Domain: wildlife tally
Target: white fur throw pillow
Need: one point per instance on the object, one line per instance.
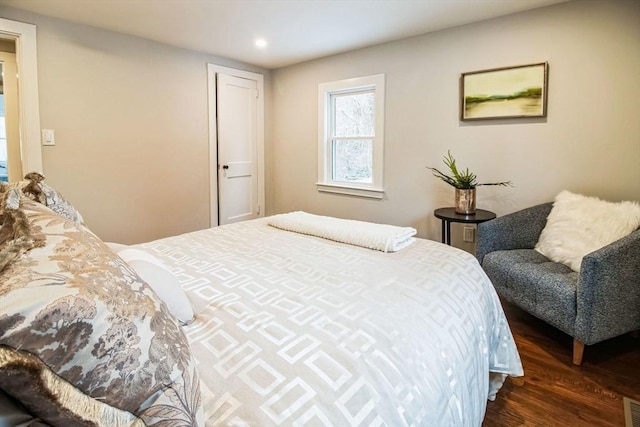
(579, 225)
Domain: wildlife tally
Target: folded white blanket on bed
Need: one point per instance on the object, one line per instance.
(381, 237)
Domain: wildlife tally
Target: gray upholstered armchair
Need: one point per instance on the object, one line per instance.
(599, 302)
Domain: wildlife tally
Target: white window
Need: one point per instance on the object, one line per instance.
(351, 136)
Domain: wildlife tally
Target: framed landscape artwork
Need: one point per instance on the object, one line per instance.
(508, 92)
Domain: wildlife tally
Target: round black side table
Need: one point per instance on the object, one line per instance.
(449, 215)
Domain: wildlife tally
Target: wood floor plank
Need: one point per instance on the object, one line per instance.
(554, 392)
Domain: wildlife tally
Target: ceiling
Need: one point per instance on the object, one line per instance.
(295, 30)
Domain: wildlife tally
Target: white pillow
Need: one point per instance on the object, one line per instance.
(579, 225)
(116, 247)
(162, 281)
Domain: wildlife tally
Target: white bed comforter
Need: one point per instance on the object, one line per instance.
(298, 330)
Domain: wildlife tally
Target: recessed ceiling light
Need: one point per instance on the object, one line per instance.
(261, 43)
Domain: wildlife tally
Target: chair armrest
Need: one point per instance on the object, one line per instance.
(517, 230)
(608, 294)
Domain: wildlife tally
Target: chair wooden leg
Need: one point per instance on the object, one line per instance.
(578, 351)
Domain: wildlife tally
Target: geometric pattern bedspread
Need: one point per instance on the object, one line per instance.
(299, 330)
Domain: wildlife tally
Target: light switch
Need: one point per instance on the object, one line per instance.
(468, 234)
(48, 137)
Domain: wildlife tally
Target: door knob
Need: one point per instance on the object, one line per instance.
(225, 167)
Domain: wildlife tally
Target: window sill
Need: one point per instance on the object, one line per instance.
(372, 193)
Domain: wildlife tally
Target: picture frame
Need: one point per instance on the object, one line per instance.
(504, 93)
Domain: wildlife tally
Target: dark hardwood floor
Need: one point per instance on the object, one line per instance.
(553, 391)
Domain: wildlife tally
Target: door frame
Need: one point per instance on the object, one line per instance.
(24, 36)
(212, 71)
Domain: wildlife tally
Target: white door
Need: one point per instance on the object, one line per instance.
(237, 149)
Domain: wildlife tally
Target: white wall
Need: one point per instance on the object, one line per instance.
(589, 142)
(130, 120)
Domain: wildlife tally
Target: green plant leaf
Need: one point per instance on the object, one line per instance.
(460, 179)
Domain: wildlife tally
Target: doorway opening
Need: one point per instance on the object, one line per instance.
(10, 158)
(4, 171)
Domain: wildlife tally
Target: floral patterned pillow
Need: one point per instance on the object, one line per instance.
(33, 187)
(82, 311)
(15, 232)
(45, 397)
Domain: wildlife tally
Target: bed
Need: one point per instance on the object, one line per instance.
(290, 329)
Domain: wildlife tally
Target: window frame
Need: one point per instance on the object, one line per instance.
(376, 84)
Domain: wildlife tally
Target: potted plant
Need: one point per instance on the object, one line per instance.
(465, 183)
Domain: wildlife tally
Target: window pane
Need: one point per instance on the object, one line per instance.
(353, 114)
(353, 160)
